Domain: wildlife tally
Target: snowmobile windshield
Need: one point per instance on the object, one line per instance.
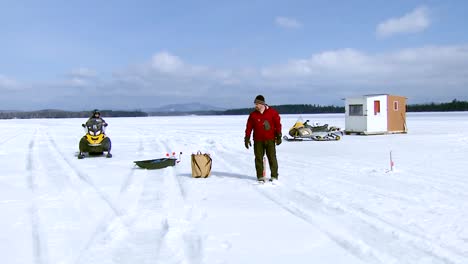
(299, 123)
(299, 119)
(94, 127)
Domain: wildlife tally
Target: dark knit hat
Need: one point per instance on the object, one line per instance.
(259, 99)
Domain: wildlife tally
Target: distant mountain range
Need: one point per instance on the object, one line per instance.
(185, 108)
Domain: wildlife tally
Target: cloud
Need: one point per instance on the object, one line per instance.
(81, 77)
(418, 72)
(166, 62)
(286, 22)
(8, 84)
(168, 75)
(328, 76)
(83, 73)
(431, 73)
(413, 22)
(354, 64)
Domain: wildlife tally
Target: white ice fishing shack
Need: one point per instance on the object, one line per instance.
(375, 114)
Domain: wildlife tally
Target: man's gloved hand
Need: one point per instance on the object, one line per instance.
(105, 124)
(278, 139)
(247, 142)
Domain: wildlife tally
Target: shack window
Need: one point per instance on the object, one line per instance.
(356, 110)
(376, 107)
(395, 105)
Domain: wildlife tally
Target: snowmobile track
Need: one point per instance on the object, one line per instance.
(101, 230)
(160, 190)
(85, 178)
(39, 245)
(11, 138)
(348, 206)
(180, 185)
(129, 178)
(364, 213)
(316, 210)
(380, 241)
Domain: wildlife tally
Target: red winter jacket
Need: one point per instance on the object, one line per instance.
(265, 126)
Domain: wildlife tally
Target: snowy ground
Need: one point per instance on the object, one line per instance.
(336, 203)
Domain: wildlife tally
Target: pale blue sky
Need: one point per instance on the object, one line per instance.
(141, 54)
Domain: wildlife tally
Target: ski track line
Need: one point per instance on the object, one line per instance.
(365, 187)
(166, 251)
(347, 244)
(60, 182)
(375, 189)
(85, 178)
(151, 202)
(354, 247)
(11, 138)
(455, 188)
(420, 179)
(360, 249)
(180, 186)
(359, 210)
(129, 178)
(391, 242)
(103, 234)
(396, 228)
(166, 186)
(413, 176)
(105, 221)
(58, 156)
(369, 213)
(39, 245)
(191, 239)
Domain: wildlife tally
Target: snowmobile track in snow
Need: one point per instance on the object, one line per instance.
(9, 138)
(85, 178)
(160, 189)
(396, 228)
(129, 178)
(179, 183)
(101, 230)
(346, 205)
(380, 241)
(39, 245)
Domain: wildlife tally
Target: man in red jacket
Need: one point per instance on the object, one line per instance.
(265, 123)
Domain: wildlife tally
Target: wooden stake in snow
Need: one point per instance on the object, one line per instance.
(391, 161)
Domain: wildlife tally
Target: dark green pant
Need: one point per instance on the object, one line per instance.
(268, 147)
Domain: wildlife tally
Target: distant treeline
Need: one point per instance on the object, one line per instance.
(455, 105)
(292, 109)
(67, 114)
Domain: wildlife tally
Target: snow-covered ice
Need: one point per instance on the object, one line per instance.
(336, 201)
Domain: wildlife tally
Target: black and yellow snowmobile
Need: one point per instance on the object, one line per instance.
(95, 142)
(302, 130)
